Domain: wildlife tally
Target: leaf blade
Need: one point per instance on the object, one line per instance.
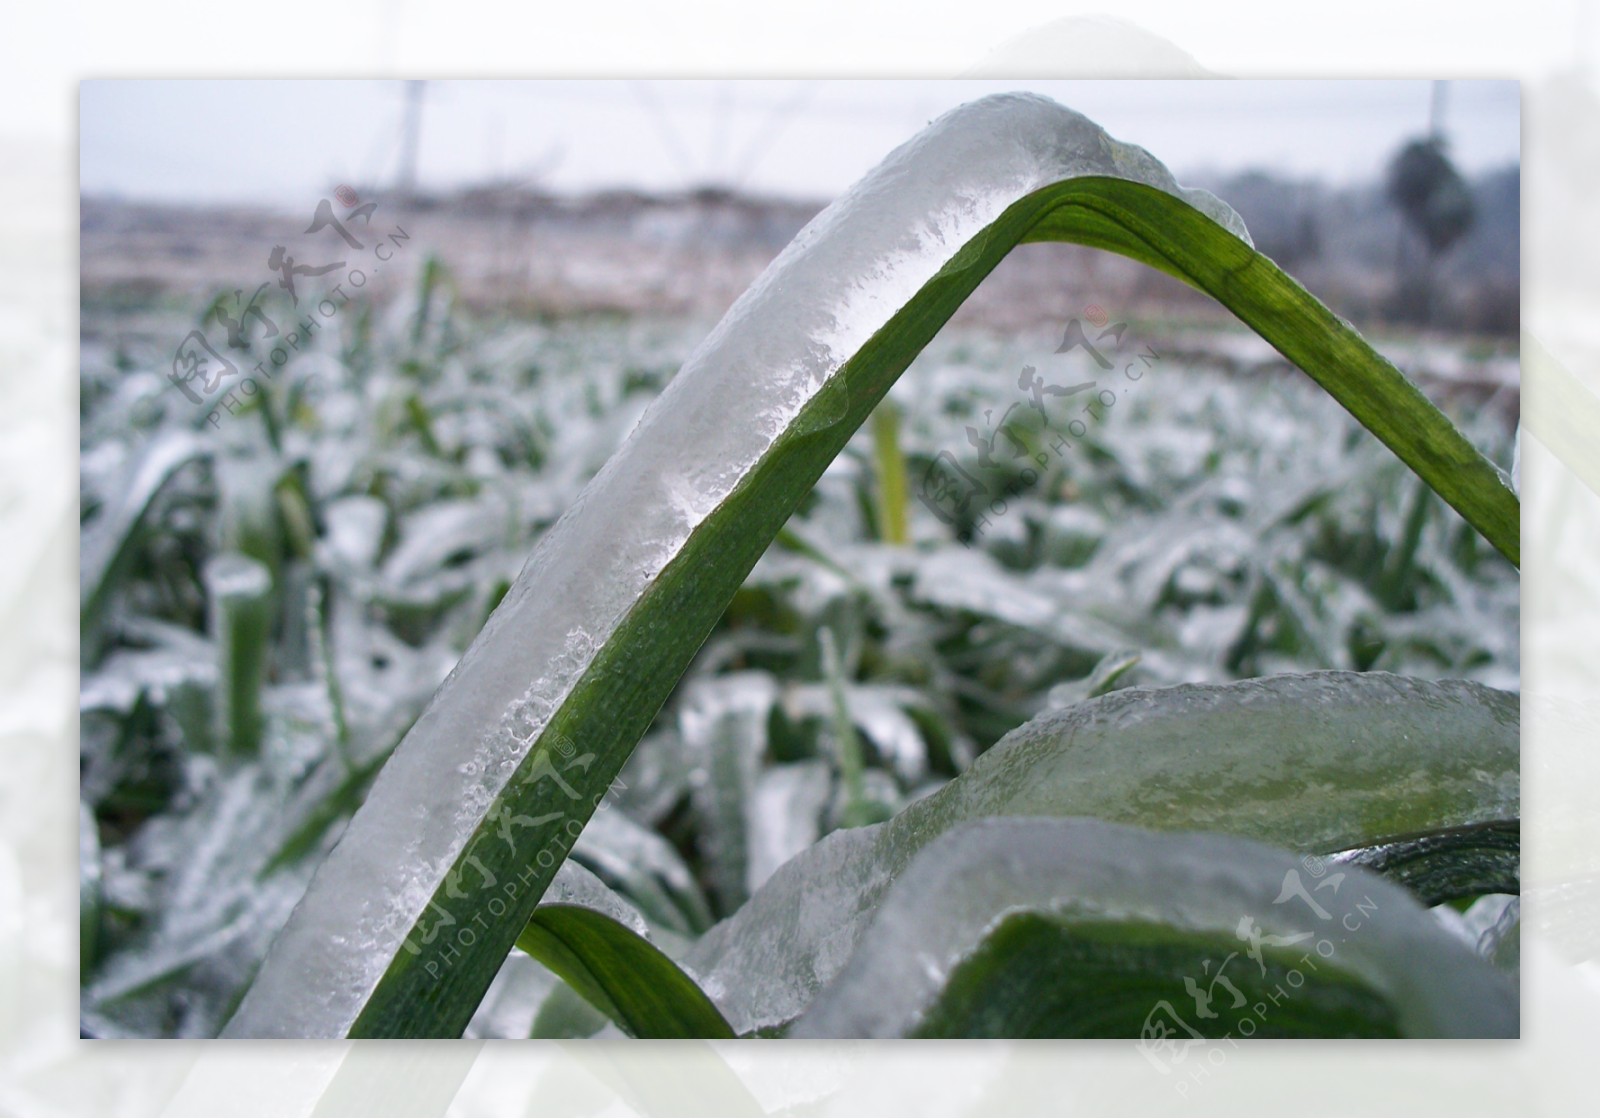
(621, 974)
(1161, 231)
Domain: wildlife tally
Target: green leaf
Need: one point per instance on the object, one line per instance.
(1320, 763)
(1449, 863)
(857, 809)
(889, 469)
(240, 589)
(1107, 671)
(1079, 928)
(567, 674)
(1161, 231)
(621, 974)
(599, 961)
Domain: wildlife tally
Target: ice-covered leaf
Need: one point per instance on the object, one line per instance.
(1319, 763)
(879, 711)
(1500, 941)
(1080, 928)
(353, 538)
(1324, 761)
(565, 676)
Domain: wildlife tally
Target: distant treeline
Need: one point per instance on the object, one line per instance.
(693, 252)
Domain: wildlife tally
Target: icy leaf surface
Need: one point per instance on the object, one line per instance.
(1092, 877)
(1316, 763)
(576, 885)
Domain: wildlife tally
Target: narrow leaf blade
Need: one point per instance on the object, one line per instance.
(621, 974)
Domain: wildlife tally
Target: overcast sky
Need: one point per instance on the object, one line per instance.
(279, 142)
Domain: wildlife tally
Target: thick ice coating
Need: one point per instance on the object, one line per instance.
(1321, 762)
(1094, 872)
(776, 350)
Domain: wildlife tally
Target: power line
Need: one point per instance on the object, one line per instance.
(772, 129)
(665, 132)
(410, 135)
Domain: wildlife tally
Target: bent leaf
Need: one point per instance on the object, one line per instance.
(621, 974)
(1079, 928)
(568, 672)
(600, 943)
(1450, 863)
(1160, 231)
(1320, 763)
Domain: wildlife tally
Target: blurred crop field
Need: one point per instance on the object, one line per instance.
(273, 590)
